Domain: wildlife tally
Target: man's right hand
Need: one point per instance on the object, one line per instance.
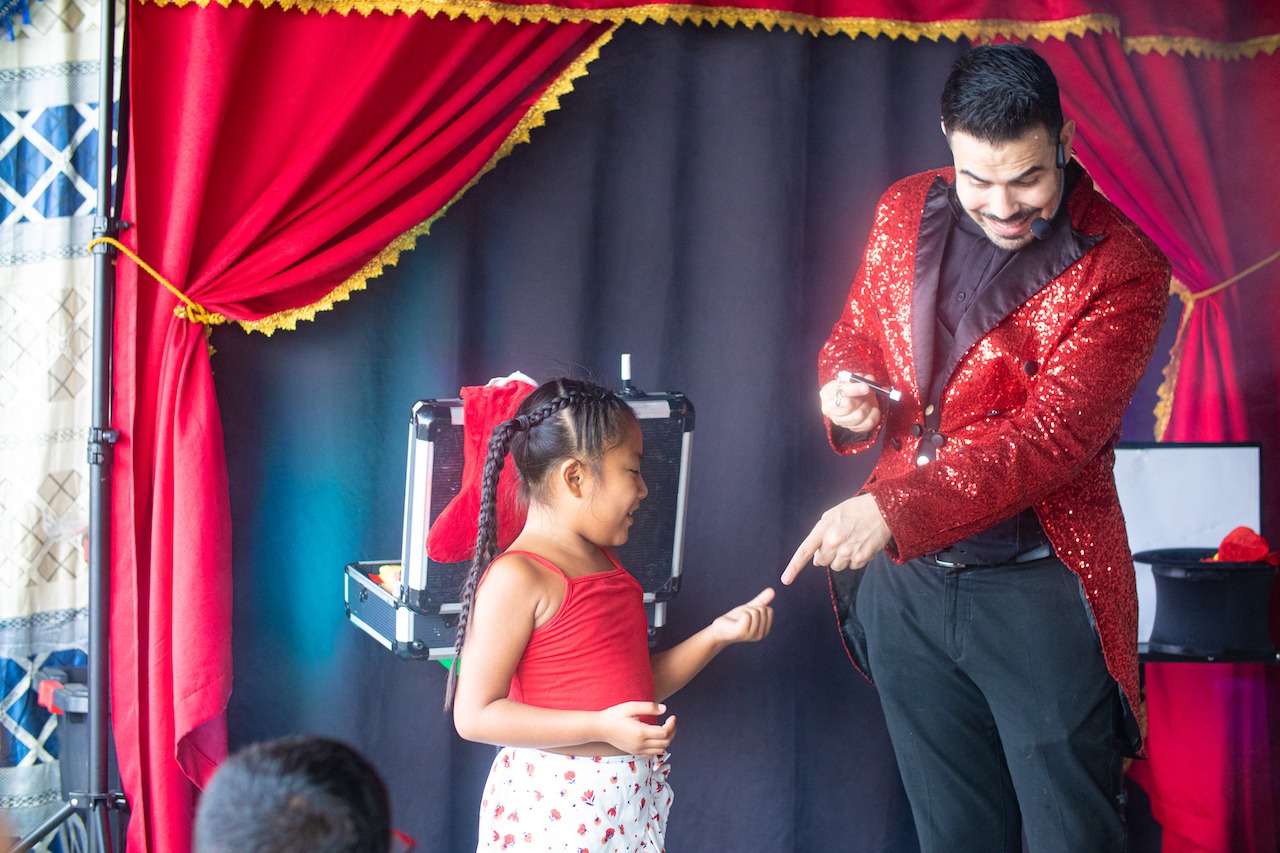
(846, 537)
(851, 405)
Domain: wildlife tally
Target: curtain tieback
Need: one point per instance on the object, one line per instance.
(1190, 297)
(1168, 387)
(189, 309)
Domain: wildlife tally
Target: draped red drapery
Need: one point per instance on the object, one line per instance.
(273, 156)
(1165, 136)
(1170, 139)
(277, 155)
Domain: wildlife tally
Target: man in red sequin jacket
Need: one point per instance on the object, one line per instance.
(1013, 310)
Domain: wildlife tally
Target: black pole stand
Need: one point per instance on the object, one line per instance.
(99, 799)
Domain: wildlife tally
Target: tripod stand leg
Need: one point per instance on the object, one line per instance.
(37, 835)
(100, 820)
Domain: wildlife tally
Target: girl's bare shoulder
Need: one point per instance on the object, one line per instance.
(518, 568)
(520, 582)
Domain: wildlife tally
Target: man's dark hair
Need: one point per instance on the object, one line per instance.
(997, 92)
(297, 794)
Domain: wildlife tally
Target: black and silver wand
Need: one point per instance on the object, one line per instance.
(845, 376)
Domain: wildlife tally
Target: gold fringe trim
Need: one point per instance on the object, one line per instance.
(1164, 394)
(973, 29)
(188, 310)
(390, 256)
(1202, 48)
(1169, 386)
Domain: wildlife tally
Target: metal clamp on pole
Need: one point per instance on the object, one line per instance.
(103, 226)
(110, 800)
(106, 226)
(100, 443)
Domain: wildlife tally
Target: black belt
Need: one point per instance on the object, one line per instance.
(951, 559)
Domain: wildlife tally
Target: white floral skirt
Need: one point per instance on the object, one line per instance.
(542, 801)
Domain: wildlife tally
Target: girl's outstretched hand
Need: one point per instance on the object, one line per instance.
(622, 727)
(746, 623)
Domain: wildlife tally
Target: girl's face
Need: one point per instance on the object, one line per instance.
(616, 492)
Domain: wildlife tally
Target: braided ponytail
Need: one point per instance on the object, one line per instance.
(487, 526)
(596, 421)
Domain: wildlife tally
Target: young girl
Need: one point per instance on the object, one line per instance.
(552, 655)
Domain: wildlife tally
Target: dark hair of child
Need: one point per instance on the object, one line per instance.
(295, 794)
(560, 419)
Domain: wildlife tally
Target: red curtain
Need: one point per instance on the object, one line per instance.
(1179, 144)
(276, 154)
(273, 155)
(1162, 136)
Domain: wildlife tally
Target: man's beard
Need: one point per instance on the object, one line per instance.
(1008, 243)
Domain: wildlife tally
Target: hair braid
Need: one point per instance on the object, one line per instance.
(487, 525)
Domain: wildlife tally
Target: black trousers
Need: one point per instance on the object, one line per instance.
(1001, 711)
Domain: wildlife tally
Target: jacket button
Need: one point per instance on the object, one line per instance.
(917, 430)
(895, 444)
(1031, 368)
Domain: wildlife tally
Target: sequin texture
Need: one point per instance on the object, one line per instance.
(1015, 436)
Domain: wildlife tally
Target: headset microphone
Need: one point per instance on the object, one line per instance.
(1040, 227)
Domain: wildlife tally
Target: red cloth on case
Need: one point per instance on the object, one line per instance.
(452, 537)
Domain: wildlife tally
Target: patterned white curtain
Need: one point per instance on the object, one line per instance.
(49, 79)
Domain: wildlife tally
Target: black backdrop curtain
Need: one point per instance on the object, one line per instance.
(700, 201)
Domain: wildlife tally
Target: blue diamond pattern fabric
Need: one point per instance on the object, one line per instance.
(48, 185)
(48, 163)
(60, 198)
(85, 159)
(58, 125)
(26, 726)
(24, 166)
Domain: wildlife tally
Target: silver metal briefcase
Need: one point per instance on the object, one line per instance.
(416, 620)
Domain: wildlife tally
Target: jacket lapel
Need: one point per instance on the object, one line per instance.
(1027, 272)
(932, 241)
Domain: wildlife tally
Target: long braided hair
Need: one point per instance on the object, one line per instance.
(592, 420)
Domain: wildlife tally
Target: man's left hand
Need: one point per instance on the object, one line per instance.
(846, 537)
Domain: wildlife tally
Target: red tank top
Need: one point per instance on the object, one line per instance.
(594, 653)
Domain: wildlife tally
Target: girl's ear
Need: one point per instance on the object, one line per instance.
(572, 476)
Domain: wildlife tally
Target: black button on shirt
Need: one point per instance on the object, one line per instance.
(969, 262)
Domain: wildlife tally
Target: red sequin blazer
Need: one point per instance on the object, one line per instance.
(1030, 413)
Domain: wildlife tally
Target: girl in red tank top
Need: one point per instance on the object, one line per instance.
(551, 659)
